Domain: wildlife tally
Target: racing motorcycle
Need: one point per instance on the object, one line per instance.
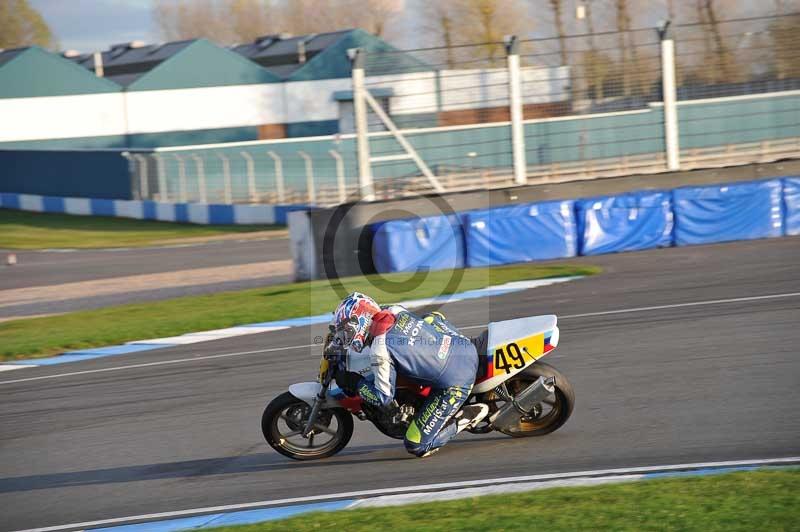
(526, 397)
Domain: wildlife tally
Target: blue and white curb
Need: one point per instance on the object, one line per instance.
(261, 511)
(255, 328)
(246, 517)
(195, 213)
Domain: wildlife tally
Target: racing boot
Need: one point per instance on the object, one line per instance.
(466, 418)
(470, 415)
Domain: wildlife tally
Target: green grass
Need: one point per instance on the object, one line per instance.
(760, 500)
(113, 325)
(33, 230)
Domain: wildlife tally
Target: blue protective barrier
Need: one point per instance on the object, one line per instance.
(520, 233)
(629, 222)
(430, 243)
(791, 202)
(721, 213)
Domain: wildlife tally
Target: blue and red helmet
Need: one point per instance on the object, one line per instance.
(352, 319)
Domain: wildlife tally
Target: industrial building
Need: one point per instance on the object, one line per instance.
(196, 92)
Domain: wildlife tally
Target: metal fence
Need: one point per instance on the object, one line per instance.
(521, 111)
(311, 172)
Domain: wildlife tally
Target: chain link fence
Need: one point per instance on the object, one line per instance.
(499, 114)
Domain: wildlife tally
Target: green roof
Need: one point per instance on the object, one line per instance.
(203, 64)
(32, 72)
(334, 62)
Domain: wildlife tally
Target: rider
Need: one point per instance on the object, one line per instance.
(428, 351)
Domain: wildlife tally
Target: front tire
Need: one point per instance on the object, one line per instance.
(286, 415)
(560, 406)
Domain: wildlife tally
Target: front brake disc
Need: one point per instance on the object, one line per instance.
(296, 416)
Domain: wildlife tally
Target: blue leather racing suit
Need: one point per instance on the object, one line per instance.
(426, 350)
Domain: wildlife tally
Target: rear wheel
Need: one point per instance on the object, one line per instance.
(548, 415)
(285, 418)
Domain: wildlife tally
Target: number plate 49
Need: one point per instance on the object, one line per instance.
(514, 356)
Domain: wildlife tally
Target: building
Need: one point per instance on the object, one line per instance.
(196, 92)
(46, 98)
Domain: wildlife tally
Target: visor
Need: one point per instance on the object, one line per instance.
(346, 332)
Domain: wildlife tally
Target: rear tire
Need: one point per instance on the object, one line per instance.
(562, 407)
(279, 441)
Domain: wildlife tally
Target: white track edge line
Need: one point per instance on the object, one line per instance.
(158, 363)
(12, 367)
(680, 305)
(423, 488)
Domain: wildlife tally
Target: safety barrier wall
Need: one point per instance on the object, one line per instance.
(560, 229)
(627, 222)
(437, 241)
(791, 202)
(742, 211)
(502, 235)
(323, 170)
(195, 213)
(82, 174)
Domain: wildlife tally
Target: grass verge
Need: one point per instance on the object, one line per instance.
(760, 500)
(78, 330)
(34, 230)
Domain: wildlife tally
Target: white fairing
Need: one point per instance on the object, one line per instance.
(307, 391)
(505, 332)
(555, 337)
(502, 332)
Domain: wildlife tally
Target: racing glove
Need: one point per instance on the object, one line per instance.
(348, 382)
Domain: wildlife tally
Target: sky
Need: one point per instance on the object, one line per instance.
(88, 25)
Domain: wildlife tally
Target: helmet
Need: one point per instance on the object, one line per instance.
(352, 319)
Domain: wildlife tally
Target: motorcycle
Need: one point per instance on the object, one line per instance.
(526, 397)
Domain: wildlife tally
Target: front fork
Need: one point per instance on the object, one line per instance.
(318, 400)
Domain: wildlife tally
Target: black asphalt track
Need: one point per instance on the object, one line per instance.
(178, 428)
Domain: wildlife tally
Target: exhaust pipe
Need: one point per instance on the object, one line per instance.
(524, 402)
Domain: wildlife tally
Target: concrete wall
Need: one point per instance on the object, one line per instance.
(88, 174)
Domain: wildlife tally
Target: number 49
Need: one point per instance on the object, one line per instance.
(511, 351)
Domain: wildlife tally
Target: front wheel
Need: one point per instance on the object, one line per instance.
(551, 413)
(285, 418)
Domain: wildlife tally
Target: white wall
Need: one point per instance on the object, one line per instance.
(57, 117)
(205, 108)
(311, 101)
(544, 85)
(469, 89)
(414, 92)
(95, 115)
